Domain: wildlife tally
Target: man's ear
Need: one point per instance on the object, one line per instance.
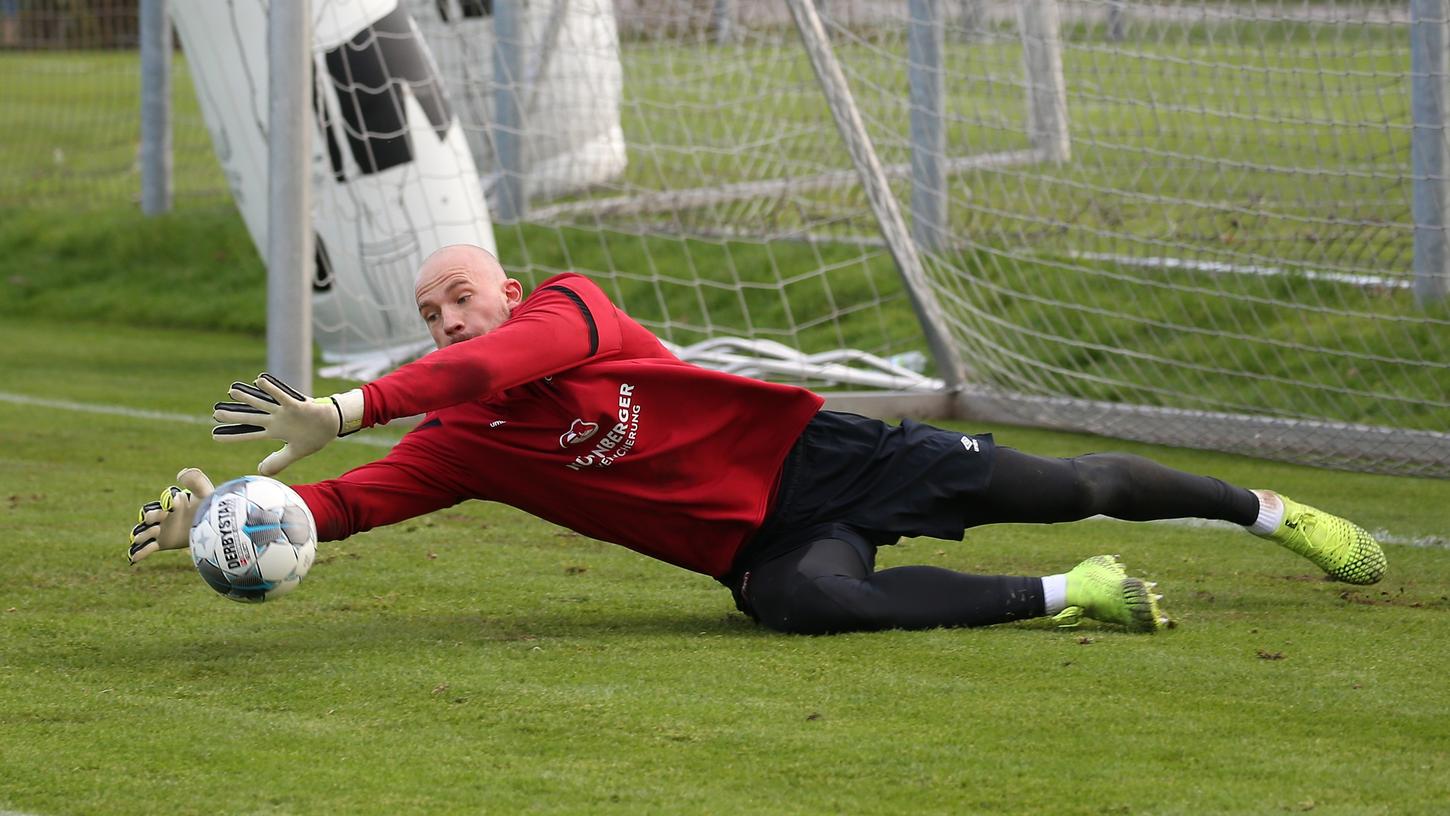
(513, 292)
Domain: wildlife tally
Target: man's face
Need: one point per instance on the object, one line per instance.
(463, 300)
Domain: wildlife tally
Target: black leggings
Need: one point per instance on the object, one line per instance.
(830, 584)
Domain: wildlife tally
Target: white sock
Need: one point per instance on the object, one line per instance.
(1271, 513)
(1054, 593)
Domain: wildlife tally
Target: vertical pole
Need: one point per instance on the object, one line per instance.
(878, 192)
(1046, 90)
(155, 107)
(1428, 149)
(1115, 24)
(289, 193)
(722, 21)
(534, 79)
(974, 19)
(508, 138)
(925, 43)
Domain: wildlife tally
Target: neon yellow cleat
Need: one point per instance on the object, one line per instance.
(1099, 588)
(1338, 546)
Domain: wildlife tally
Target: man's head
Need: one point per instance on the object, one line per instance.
(463, 292)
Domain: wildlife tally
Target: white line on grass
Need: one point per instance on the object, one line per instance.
(1384, 536)
(164, 416)
(142, 413)
(1218, 267)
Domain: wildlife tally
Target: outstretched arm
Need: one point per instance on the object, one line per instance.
(404, 484)
(565, 322)
(385, 492)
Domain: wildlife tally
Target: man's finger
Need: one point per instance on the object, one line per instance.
(264, 377)
(279, 391)
(170, 497)
(278, 461)
(150, 513)
(241, 408)
(141, 550)
(254, 398)
(197, 482)
(241, 389)
(233, 412)
(238, 433)
(148, 507)
(143, 535)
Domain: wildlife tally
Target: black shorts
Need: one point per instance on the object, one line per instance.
(870, 483)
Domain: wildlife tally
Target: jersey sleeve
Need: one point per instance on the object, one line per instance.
(568, 320)
(398, 487)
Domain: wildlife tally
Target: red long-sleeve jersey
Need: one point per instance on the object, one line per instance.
(573, 412)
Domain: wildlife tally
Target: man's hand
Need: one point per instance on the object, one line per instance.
(271, 409)
(166, 524)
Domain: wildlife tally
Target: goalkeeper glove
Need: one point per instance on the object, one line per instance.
(271, 409)
(166, 524)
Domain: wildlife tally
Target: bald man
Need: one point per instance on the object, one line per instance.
(463, 293)
(561, 405)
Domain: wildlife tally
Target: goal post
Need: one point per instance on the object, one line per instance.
(1131, 219)
(1211, 223)
(1428, 44)
(878, 192)
(290, 243)
(156, 150)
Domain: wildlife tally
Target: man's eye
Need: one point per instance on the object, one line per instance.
(464, 299)
(430, 318)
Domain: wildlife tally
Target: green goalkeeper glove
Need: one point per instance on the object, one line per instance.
(271, 409)
(166, 524)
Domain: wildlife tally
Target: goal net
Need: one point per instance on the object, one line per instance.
(1188, 222)
(1183, 222)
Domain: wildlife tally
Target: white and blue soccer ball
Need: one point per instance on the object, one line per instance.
(253, 539)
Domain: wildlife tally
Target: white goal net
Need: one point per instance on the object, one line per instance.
(1183, 222)
(1202, 223)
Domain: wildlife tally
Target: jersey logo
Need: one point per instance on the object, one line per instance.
(578, 431)
(496, 423)
(971, 444)
(617, 441)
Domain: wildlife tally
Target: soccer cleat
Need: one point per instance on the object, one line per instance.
(1099, 588)
(1338, 546)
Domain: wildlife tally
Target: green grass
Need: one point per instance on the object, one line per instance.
(70, 131)
(481, 661)
(1276, 145)
(1286, 142)
(1146, 336)
(1266, 143)
(478, 660)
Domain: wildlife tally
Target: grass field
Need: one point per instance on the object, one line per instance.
(481, 661)
(1284, 142)
(1283, 146)
(1132, 335)
(478, 660)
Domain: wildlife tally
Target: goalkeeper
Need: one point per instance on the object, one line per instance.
(561, 405)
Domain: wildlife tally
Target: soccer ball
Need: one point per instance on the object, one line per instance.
(253, 539)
